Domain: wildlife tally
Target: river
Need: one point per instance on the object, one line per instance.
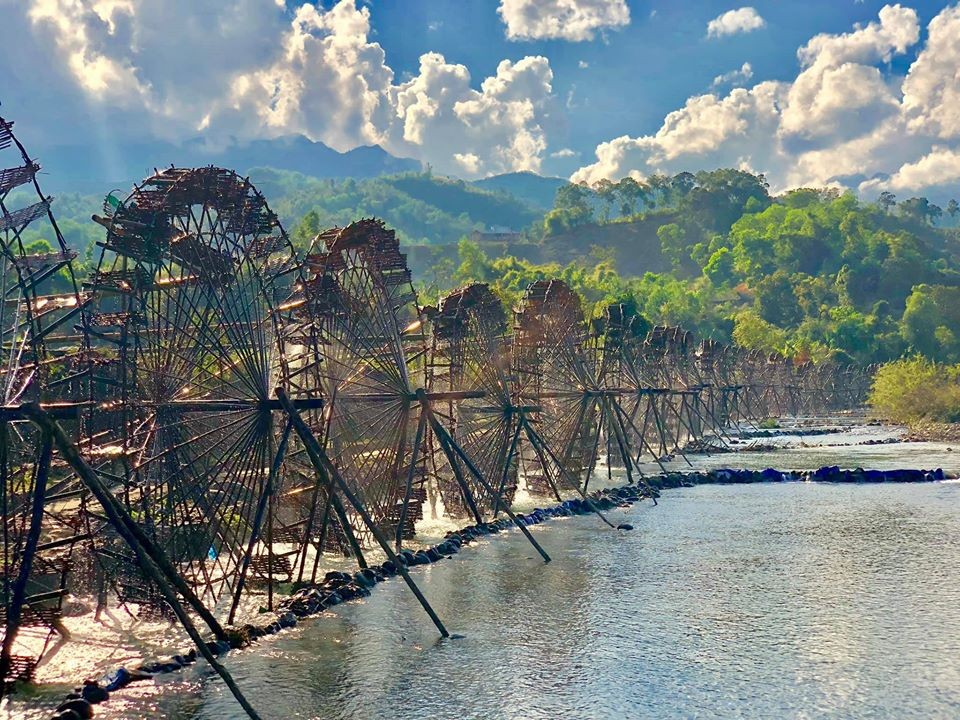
(787, 600)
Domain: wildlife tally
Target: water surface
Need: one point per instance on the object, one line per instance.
(756, 601)
(790, 600)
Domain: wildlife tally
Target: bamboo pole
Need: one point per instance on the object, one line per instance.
(27, 554)
(536, 440)
(124, 523)
(145, 552)
(445, 436)
(328, 473)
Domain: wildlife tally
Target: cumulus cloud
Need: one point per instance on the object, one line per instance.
(496, 129)
(573, 20)
(120, 52)
(741, 20)
(266, 72)
(735, 78)
(931, 90)
(843, 120)
(939, 168)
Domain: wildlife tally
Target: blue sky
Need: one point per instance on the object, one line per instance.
(817, 92)
(636, 74)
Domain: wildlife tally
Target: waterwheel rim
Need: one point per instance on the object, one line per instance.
(556, 374)
(370, 359)
(43, 356)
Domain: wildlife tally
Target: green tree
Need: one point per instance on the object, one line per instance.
(921, 318)
(474, 265)
(720, 267)
(752, 332)
(952, 209)
(919, 209)
(672, 244)
(887, 200)
(631, 195)
(776, 301)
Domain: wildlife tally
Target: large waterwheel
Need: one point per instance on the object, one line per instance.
(368, 360)
(42, 359)
(189, 302)
(635, 397)
(469, 377)
(557, 378)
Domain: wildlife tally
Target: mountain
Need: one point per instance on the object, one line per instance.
(529, 187)
(424, 208)
(99, 168)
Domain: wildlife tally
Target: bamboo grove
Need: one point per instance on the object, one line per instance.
(209, 413)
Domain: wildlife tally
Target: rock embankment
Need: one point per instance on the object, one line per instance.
(827, 474)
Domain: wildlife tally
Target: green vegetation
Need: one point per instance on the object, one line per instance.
(916, 389)
(424, 209)
(811, 273)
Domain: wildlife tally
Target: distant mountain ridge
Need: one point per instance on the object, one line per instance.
(533, 189)
(98, 169)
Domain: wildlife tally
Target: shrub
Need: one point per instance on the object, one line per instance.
(917, 389)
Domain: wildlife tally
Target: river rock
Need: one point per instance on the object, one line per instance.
(93, 693)
(82, 708)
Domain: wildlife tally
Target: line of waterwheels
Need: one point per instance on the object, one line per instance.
(209, 413)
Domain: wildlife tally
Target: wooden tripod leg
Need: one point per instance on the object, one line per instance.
(328, 473)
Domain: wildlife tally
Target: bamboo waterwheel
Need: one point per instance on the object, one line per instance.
(42, 359)
(370, 359)
(189, 301)
(557, 377)
(470, 376)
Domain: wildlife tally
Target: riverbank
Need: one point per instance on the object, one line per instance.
(933, 432)
(867, 446)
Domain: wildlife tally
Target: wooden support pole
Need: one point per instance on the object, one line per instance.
(511, 453)
(445, 436)
(408, 490)
(644, 443)
(27, 554)
(613, 422)
(258, 522)
(144, 553)
(118, 516)
(328, 473)
(535, 439)
(446, 444)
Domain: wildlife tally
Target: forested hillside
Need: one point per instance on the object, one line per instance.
(809, 273)
(423, 208)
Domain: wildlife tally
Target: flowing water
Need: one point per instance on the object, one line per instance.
(788, 600)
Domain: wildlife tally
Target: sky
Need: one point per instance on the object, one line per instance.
(853, 93)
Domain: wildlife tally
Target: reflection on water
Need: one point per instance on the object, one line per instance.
(726, 601)
(754, 601)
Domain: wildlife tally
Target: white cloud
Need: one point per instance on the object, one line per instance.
(839, 90)
(573, 20)
(939, 168)
(844, 119)
(242, 69)
(497, 129)
(741, 20)
(563, 153)
(120, 52)
(931, 91)
(735, 78)
(708, 131)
